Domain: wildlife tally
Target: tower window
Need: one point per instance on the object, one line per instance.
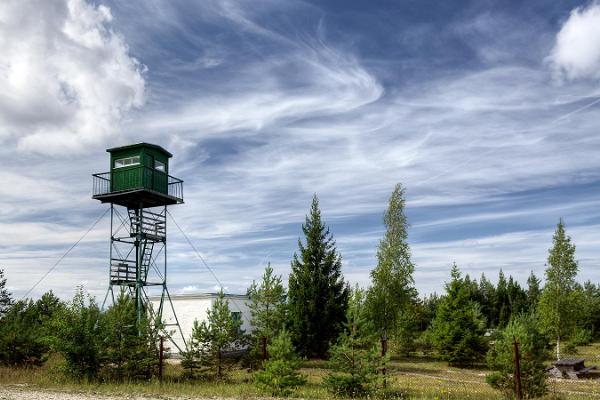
(127, 162)
(159, 166)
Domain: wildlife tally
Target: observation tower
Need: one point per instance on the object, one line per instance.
(139, 189)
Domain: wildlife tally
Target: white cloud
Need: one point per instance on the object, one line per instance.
(576, 53)
(66, 78)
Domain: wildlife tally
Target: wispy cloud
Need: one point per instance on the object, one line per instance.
(262, 110)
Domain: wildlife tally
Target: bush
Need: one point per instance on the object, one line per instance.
(280, 374)
(582, 337)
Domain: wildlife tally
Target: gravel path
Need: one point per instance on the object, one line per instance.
(26, 392)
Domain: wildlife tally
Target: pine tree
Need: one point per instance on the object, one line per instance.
(280, 374)
(354, 358)
(221, 332)
(267, 309)
(558, 302)
(458, 328)
(318, 295)
(76, 336)
(524, 329)
(392, 291)
(128, 345)
(5, 296)
(21, 340)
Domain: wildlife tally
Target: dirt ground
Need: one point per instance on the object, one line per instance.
(27, 392)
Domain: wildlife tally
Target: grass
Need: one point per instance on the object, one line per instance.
(408, 378)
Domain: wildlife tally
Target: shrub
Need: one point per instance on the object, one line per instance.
(582, 337)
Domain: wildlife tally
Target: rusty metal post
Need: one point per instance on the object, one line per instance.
(518, 389)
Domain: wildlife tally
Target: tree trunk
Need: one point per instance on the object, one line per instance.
(264, 348)
(558, 348)
(219, 364)
(383, 353)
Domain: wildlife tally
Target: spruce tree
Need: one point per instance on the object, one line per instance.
(517, 297)
(318, 295)
(502, 303)
(458, 327)
(558, 302)
(488, 300)
(533, 291)
(392, 291)
(267, 309)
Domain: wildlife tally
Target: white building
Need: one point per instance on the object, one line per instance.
(191, 307)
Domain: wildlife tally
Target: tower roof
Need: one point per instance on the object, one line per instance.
(142, 144)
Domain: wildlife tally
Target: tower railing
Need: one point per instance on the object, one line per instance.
(135, 178)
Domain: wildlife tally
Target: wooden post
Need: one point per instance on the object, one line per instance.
(160, 358)
(518, 390)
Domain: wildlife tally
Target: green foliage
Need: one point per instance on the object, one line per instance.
(212, 338)
(392, 291)
(318, 295)
(128, 348)
(406, 332)
(5, 296)
(487, 298)
(524, 329)
(76, 336)
(267, 310)
(590, 320)
(25, 330)
(560, 303)
(534, 291)
(20, 341)
(582, 337)
(354, 359)
(458, 328)
(280, 374)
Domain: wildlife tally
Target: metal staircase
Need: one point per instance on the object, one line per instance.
(147, 228)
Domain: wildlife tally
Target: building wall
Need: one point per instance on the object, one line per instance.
(195, 306)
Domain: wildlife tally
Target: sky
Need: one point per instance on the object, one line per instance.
(487, 112)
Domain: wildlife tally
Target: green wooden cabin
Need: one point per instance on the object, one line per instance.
(139, 174)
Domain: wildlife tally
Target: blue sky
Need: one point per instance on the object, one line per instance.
(487, 112)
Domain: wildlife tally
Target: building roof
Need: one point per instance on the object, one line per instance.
(194, 296)
(141, 144)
